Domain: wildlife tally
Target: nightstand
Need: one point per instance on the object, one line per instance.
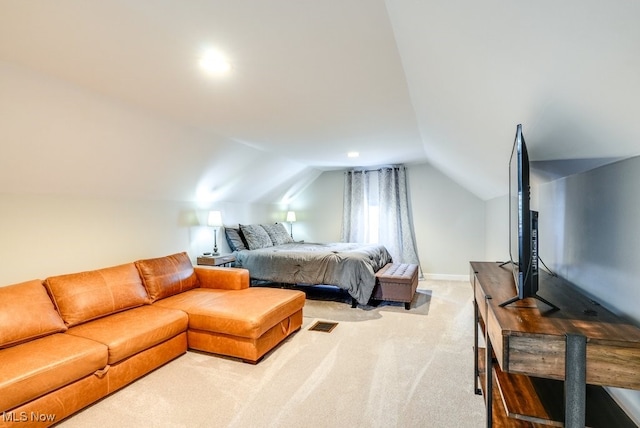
(221, 260)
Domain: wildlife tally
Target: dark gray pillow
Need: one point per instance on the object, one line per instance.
(278, 233)
(256, 236)
(234, 239)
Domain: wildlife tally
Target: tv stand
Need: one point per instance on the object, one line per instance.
(549, 368)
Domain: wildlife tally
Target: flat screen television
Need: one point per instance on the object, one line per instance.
(523, 225)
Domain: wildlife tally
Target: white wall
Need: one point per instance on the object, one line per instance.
(319, 209)
(88, 182)
(589, 226)
(497, 229)
(449, 221)
(59, 138)
(44, 235)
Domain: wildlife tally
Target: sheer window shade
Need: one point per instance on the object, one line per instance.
(381, 193)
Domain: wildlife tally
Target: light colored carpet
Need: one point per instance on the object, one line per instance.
(380, 367)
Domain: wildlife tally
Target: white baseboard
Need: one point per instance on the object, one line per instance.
(446, 277)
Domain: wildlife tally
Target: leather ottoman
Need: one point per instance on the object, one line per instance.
(396, 282)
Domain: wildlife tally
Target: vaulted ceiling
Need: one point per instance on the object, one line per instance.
(399, 81)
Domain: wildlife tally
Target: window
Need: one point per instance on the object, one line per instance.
(376, 210)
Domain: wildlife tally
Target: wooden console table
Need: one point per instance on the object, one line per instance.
(542, 366)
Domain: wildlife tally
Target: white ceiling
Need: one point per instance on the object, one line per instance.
(400, 81)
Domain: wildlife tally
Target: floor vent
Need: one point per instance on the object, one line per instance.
(324, 326)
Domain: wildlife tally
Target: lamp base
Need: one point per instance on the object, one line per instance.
(215, 243)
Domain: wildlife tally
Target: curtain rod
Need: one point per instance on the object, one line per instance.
(375, 169)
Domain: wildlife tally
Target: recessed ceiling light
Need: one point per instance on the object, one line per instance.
(353, 154)
(214, 62)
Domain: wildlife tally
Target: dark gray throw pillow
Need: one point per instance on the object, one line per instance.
(278, 233)
(256, 236)
(234, 239)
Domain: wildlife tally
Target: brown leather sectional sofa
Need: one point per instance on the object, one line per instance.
(72, 339)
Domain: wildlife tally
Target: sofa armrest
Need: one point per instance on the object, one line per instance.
(222, 278)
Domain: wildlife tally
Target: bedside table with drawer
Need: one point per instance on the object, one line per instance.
(220, 260)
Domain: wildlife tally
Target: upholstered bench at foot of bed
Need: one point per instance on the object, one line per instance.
(245, 324)
(396, 282)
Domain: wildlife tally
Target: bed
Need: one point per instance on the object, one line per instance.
(346, 265)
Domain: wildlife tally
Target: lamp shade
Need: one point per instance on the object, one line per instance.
(291, 216)
(215, 219)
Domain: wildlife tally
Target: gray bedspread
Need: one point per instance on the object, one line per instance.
(345, 265)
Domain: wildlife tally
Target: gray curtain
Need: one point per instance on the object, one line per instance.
(381, 193)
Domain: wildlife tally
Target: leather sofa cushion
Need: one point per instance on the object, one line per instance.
(166, 276)
(245, 313)
(85, 296)
(26, 313)
(35, 368)
(127, 333)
